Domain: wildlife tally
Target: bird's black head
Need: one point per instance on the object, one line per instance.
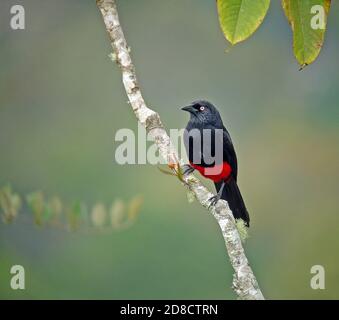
(204, 112)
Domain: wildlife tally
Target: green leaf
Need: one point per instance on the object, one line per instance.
(10, 203)
(74, 215)
(117, 213)
(36, 203)
(56, 207)
(307, 40)
(240, 18)
(98, 215)
(134, 207)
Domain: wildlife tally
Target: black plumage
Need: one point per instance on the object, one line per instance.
(204, 117)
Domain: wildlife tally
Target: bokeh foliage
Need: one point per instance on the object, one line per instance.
(53, 212)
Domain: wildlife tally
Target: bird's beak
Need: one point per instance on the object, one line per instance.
(189, 109)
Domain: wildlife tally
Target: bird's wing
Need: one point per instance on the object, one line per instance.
(216, 141)
(229, 153)
(206, 152)
(191, 139)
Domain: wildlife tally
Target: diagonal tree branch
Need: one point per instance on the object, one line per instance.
(244, 281)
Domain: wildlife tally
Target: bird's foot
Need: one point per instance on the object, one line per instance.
(187, 169)
(213, 200)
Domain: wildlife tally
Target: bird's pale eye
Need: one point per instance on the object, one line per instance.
(202, 108)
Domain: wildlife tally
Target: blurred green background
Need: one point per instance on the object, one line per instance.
(61, 102)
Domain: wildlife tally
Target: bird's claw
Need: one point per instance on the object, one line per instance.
(187, 169)
(213, 200)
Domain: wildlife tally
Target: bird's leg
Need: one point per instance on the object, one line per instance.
(217, 197)
(187, 169)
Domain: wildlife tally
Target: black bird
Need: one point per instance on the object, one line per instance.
(202, 140)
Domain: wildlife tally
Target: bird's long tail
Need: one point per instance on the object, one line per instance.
(232, 195)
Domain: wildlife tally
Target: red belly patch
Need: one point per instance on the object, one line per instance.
(217, 173)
